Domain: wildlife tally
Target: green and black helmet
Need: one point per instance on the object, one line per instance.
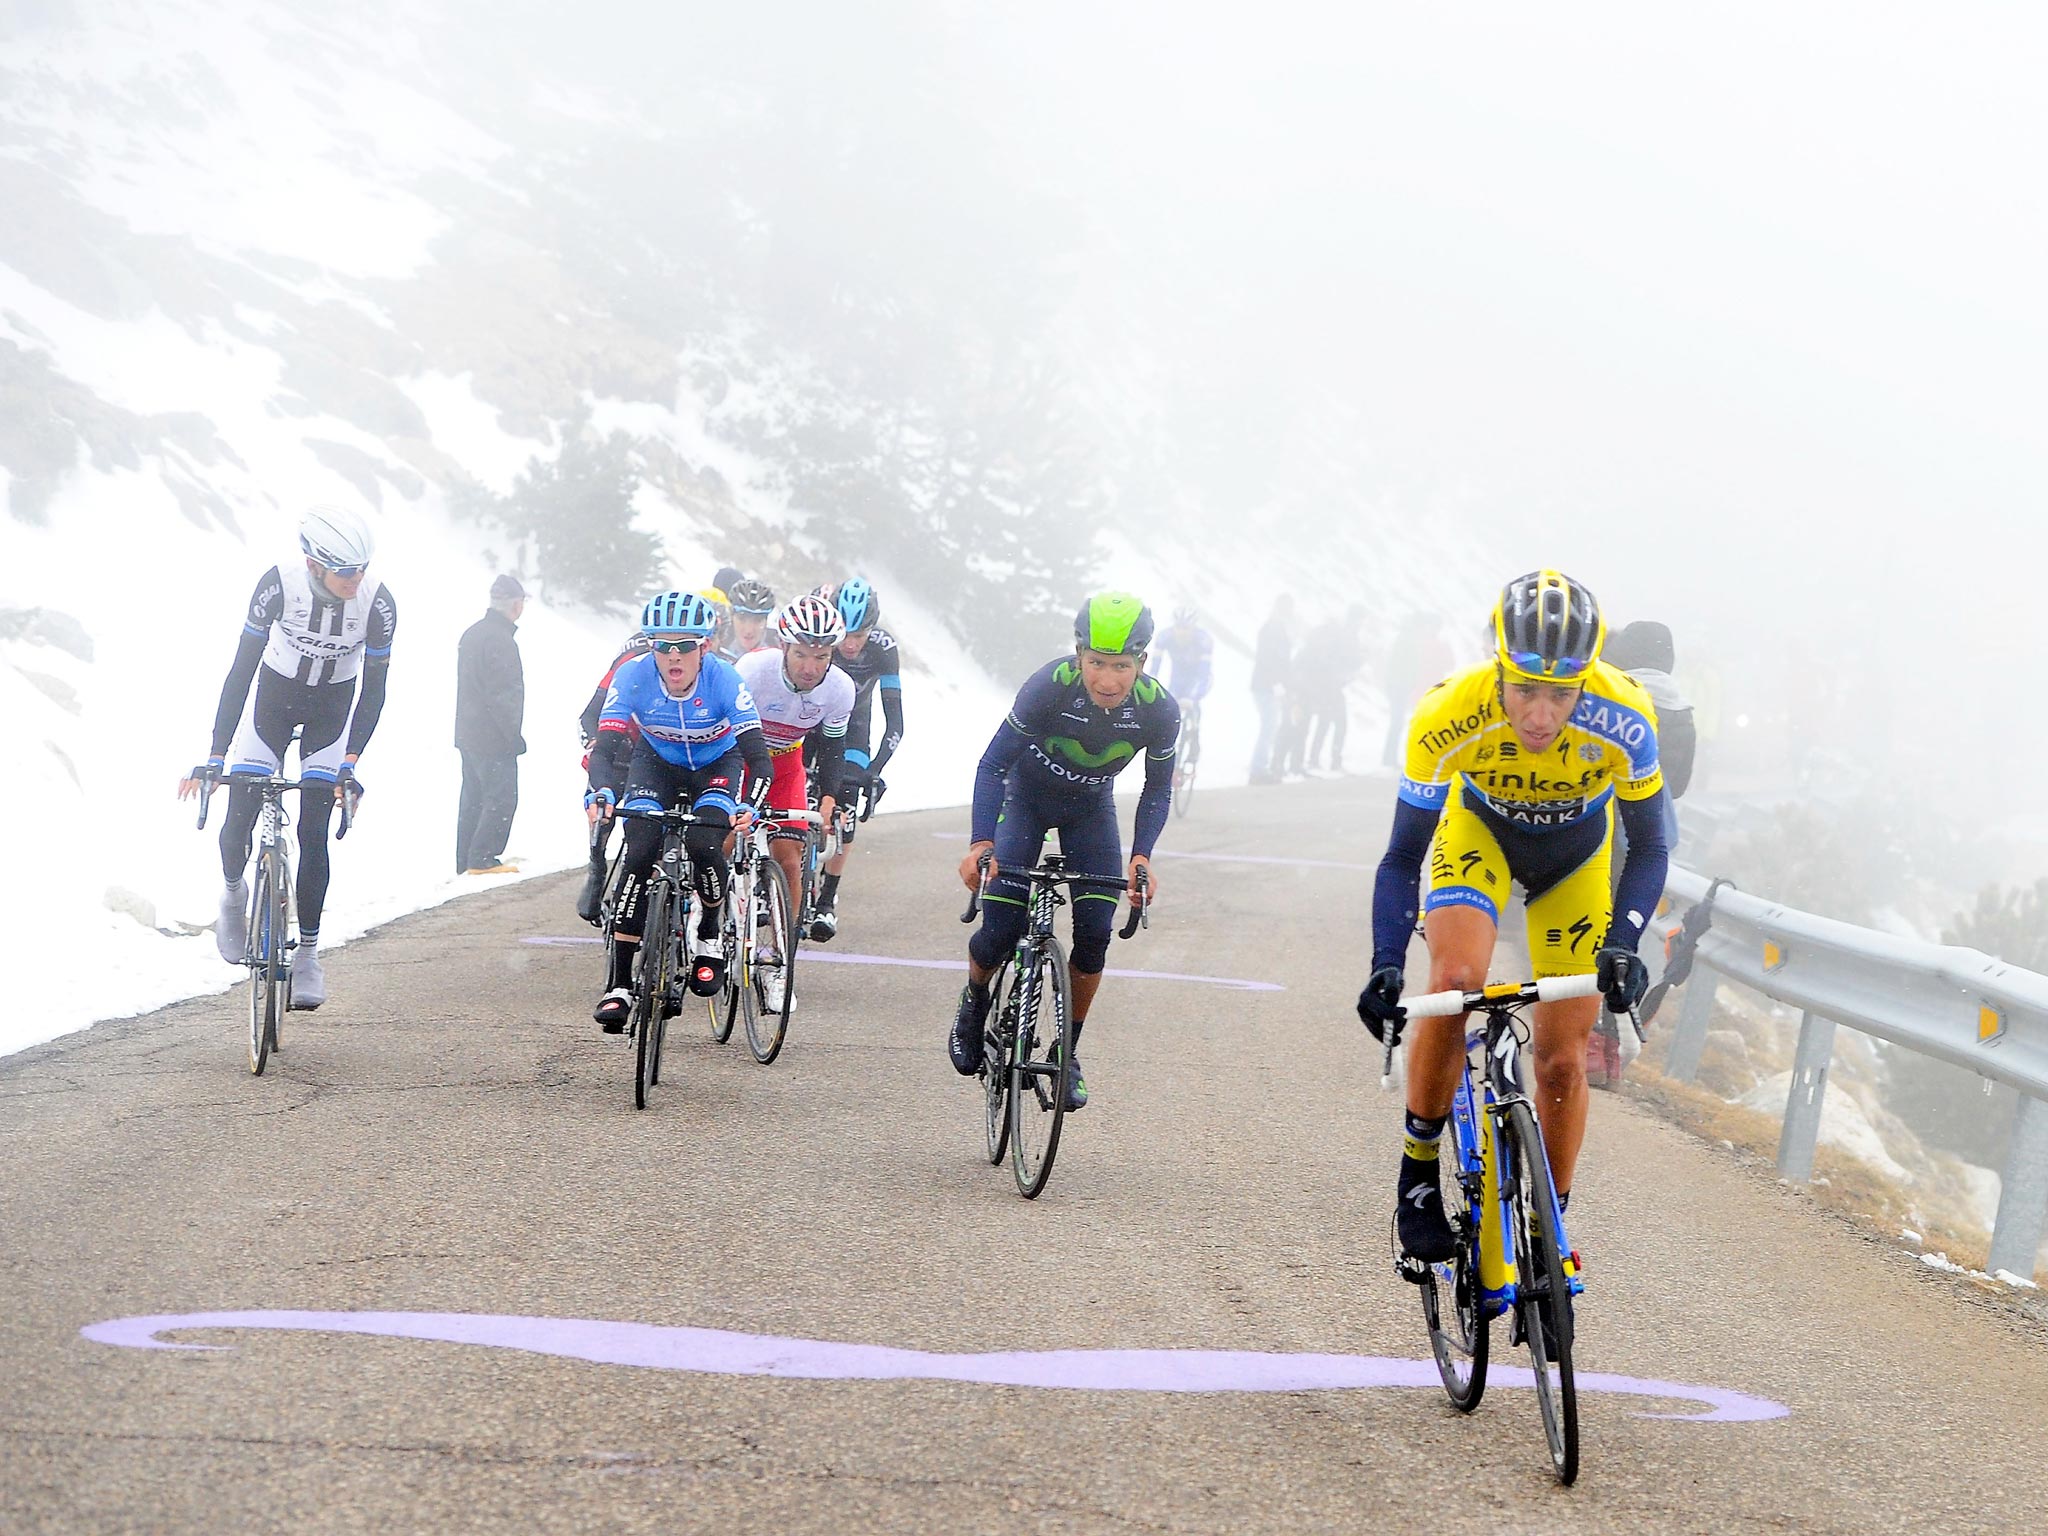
(1114, 623)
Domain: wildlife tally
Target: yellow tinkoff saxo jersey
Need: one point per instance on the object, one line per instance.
(1459, 736)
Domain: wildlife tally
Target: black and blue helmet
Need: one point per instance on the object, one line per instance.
(858, 604)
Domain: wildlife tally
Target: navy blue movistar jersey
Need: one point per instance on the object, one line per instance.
(691, 733)
(1057, 737)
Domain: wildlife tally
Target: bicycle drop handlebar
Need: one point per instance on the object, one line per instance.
(1141, 906)
(1448, 1005)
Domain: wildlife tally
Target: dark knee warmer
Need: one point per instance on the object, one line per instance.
(316, 810)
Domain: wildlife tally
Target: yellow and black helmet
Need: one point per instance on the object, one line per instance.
(1547, 629)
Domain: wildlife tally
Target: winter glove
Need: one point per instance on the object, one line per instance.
(1379, 1005)
(1622, 976)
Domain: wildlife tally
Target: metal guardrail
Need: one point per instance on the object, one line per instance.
(1957, 1005)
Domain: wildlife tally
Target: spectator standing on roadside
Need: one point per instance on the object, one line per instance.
(1419, 658)
(1335, 648)
(490, 712)
(1270, 663)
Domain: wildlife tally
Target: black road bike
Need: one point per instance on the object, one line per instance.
(665, 913)
(1029, 1034)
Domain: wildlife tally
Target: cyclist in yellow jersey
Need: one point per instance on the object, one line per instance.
(1515, 770)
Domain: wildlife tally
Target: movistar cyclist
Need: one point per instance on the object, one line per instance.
(796, 691)
(753, 605)
(314, 626)
(696, 731)
(1515, 769)
(1076, 724)
(870, 656)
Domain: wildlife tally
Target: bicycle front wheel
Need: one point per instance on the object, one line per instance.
(768, 951)
(262, 972)
(1544, 1294)
(1453, 1304)
(1044, 1044)
(727, 1005)
(650, 992)
(997, 1034)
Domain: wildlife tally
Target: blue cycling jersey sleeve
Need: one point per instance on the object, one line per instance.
(1395, 890)
(1155, 800)
(1643, 872)
(1039, 697)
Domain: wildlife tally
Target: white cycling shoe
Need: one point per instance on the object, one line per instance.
(773, 980)
(309, 982)
(231, 931)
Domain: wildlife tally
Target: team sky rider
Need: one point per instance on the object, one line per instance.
(1076, 724)
(591, 897)
(696, 730)
(313, 628)
(870, 656)
(753, 605)
(1514, 770)
(796, 691)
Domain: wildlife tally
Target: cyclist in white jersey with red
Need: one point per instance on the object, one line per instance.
(797, 690)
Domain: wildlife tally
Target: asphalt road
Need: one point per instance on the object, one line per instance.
(446, 1161)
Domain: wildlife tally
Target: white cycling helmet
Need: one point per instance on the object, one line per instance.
(335, 538)
(811, 621)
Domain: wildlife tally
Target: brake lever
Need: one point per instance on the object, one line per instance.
(974, 901)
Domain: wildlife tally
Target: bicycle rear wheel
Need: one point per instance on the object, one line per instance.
(1045, 1042)
(773, 923)
(1453, 1304)
(997, 1034)
(1544, 1297)
(650, 992)
(262, 974)
(1184, 777)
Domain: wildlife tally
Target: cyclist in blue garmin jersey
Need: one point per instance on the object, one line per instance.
(871, 657)
(1076, 724)
(696, 730)
(1190, 652)
(314, 627)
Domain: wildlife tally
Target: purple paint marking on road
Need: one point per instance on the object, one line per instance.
(1221, 858)
(812, 956)
(719, 1352)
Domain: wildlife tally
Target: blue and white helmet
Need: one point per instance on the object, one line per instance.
(678, 613)
(858, 604)
(336, 538)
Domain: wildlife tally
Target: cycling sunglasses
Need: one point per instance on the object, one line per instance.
(676, 647)
(1535, 664)
(345, 572)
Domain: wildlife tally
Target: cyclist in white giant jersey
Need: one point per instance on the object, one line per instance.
(797, 690)
(314, 628)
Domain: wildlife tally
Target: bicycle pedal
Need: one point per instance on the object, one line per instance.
(1412, 1269)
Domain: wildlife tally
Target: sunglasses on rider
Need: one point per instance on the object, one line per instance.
(676, 647)
(345, 572)
(1534, 664)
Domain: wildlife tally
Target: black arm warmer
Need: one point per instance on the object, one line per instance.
(754, 752)
(608, 760)
(375, 675)
(892, 727)
(831, 759)
(234, 693)
(1394, 888)
(592, 711)
(1642, 872)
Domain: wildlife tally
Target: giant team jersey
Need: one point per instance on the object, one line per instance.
(787, 715)
(1459, 735)
(316, 638)
(691, 733)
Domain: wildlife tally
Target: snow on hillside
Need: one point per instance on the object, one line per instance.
(122, 596)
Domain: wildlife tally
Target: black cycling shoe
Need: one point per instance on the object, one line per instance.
(591, 898)
(612, 1011)
(707, 975)
(965, 1044)
(1420, 1223)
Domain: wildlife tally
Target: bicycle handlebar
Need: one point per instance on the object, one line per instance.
(974, 901)
(1551, 989)
(1141, 907)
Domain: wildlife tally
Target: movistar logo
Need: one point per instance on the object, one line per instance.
(1074, 752)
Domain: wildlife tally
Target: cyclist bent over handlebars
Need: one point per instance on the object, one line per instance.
(697, 730)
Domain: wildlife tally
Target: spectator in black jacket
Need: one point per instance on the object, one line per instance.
(1272, 662)
(490, 710)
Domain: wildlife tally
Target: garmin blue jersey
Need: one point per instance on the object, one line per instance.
(691, 732)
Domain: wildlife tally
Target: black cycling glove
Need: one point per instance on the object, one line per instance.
(1622, 976)
(1379, 1005)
